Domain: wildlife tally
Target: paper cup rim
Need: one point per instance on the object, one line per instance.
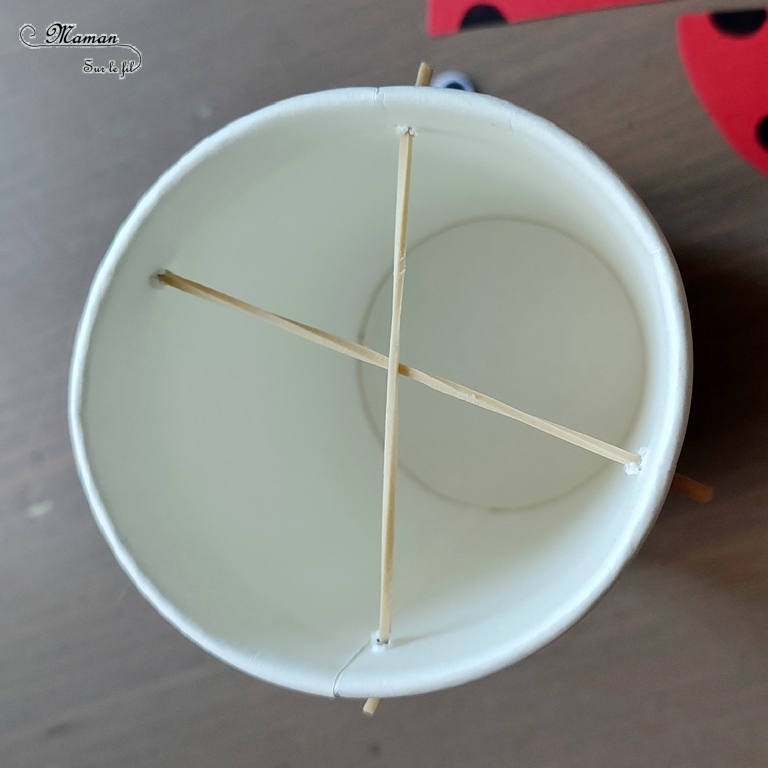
(677, 406)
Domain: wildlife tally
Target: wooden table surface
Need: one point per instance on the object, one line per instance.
(670, 668)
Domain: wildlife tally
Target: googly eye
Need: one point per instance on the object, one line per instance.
(456, 80)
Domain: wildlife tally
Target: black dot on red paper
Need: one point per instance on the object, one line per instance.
(739, 23)
(480, 15)
(762, 133)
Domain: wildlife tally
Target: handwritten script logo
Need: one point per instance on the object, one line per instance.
(59, 35)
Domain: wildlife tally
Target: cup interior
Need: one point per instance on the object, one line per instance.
(237, 470)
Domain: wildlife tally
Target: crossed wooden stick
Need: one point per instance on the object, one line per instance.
(395, 369)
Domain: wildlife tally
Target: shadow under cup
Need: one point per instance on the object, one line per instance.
(236, 470)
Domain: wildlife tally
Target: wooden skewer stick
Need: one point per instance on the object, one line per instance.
(681, 483)
(393, 367)
(425, 74)
(366, 355)
(423, 78)
(691, 488)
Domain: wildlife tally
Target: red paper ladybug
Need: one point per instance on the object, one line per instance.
(445, 17)
(726, 58)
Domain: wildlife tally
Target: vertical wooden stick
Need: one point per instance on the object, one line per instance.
(425, 74)
(393, 365)
(423, 78)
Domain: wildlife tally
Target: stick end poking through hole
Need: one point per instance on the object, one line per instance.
(424, 76)
(693, 489)
(160, 278)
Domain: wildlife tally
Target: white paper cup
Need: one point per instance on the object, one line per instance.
(236, 470)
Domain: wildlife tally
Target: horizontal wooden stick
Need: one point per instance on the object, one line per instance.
(439, 384)
(371, 705)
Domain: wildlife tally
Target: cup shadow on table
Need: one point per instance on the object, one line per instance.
(728, 424)
(725, 541)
